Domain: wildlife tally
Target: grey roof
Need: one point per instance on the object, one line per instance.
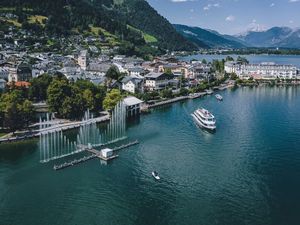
(136, 69)
(153, 75)
(99, 67)
(135, 80)
(130, 101)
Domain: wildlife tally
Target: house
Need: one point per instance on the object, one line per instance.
(133, 106)
(133, 84)
(4, 73)
(157, 81)
(200, 71)
(177, 70)
(136, 71)
(22, 72)
(99, 68)
(2, 84)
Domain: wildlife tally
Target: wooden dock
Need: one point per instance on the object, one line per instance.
(95, 154)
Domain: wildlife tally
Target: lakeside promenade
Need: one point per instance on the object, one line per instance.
(63, 125)
(57, 127)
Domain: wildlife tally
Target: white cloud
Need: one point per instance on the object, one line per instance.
(292, 1)
(230, 18)
(272, 4)
(210, 6)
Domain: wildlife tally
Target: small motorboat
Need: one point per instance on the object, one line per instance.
(219, 97)
(155, 175)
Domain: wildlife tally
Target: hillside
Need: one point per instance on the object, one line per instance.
(133, 21)
(206, 38)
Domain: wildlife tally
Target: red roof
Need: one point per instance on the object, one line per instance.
(21, 84)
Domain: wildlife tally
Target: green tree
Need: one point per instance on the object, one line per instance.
(57, 92)
(89, 99)
(39, 86)
(111, 100)
(229, 58)
(113, 73)
(242, 60)
(166, 93)
(183, 92)
(15, 110)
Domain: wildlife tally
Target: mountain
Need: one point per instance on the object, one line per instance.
(129, 20)
(209, 38)
(283, 37)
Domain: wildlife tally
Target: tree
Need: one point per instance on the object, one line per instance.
(242, 60)
(204, 61)
(111, 100)
(39, 86)
(89, 99)
(113, 73)
(183, 92)
(16, 112)
(229, 58)
(57, 91)
(166, 93)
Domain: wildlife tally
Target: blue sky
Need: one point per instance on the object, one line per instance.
(231, 16)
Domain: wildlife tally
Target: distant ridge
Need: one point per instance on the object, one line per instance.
(208, 38)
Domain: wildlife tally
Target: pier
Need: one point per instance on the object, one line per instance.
(95, 154)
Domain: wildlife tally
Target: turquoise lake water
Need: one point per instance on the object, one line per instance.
(248, 172)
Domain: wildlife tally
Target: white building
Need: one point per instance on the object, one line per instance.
(107, 152)
(262, 70)
(133, 84)
(133, 106)
(157, 81)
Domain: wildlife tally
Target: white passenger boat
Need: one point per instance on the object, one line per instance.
(205, 119)
(219, 97)
(155, 175)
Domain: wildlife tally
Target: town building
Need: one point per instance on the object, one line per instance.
(200, 71)
(4, 73)
(22, 72)
(133, 106)
(83, 59)
(262, 70)
(2, 84)
(133, 84)
(157, 81)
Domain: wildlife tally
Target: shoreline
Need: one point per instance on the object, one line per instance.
(144, 110)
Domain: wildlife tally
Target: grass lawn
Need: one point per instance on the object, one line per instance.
(37, 18)
(147, 37)
(2, 134)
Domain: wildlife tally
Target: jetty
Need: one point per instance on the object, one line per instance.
(95, 154)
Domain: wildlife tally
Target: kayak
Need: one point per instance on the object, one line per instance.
(155, 175)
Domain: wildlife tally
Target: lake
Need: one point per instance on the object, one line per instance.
(248, 172)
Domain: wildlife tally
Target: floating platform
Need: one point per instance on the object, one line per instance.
(95, 154)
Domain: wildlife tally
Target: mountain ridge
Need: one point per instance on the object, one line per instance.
(64, 16)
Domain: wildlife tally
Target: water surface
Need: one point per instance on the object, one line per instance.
(248, 172)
